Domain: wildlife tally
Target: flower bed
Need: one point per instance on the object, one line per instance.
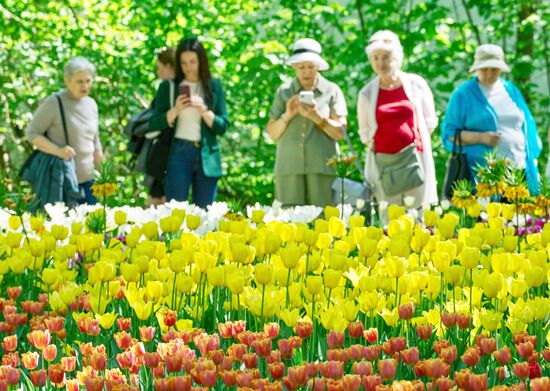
(178, 298)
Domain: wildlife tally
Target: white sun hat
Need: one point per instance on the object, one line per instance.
(307, 50)
(489, 56)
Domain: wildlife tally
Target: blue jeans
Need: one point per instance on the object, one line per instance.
(89, 198)
(185, 171)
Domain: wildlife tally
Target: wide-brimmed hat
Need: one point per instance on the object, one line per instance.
(307, 50)
(384, 40)
(489, 56)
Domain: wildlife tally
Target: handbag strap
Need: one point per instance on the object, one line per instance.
(63, 119)
(457, 138)
(172, 93)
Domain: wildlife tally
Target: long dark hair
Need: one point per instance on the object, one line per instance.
(193, 45)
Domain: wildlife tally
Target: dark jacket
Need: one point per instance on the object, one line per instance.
(53, 179)
(210, 150)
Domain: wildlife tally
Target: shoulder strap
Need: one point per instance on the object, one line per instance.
(63, 119)
(171, 93)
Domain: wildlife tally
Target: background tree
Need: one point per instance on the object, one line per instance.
(248, 42)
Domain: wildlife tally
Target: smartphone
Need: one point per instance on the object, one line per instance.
(306, 97)
(185, 90)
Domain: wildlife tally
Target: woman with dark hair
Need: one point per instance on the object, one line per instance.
(194, 119)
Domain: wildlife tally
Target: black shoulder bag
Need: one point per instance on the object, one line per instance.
(457, 168)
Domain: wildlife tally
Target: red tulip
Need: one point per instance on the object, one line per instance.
(410, 356)
(216, 356)
(182, 383)
(147, 333)
(237, 351)
(501, 373)
(159, 370)
(274, 356)
(546, 354)
(356, 352)
(317, 384)
(477, 382)
(262, 347)
(55, 323)
(206, 343)
(449, 354)
(371, 335)
(94, 383)
(276, 370)
(170, 318)
(371, 382)
(39, 339)
(387, 368)
(151, 360)
(56, 374)
(312, 369)
(523, 336)
(12, 376)
(30, 360)
(49, 353)
(14, 292)
(486, 345)
(521, 369)
(424, 331)
(535, 369)
(124, 324)
(351, 382)
(173, 363)
(39, 377)
(98, 361)
(406, 311)
(304, 329)
(335, 339)
(470, 357)
(250, 360)
(442, 384)
(503, 356)
(540, 384)
(208, 377)
(285, 347)
(11, 359)
(271, 329)
(372, 352)
(362, 368)
(332, 369)
(525, 349)
(10, 343)
(449, 319)
(229, 378)
(463, 321)
(355, 329)
(297, 376)
(435, 368)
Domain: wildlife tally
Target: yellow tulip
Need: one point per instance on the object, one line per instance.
(430, 218)
(192, 222)
(216, 276)
(492, 285)
(454, 274)
(493, 209)
(206, 261)
(367, 247)
(349, 310)
(36, 247)
(132, 239)
(331, 278)
(106, 271)
(399, 247)
(76, 227)
(4, 267)
(107, 319)
(120, 217)
(390, 316)
(499, 262)
(36, 223)
(55, 302)
(114, 288)
(516, 325)
(447, 225)
(14, 222)
(130, 272)
(49, 276)
(59, 232)
(474, 210)
(142, 261)
(331, 211)
(490, 320)
(153, 289)
(143, 310)
(184, 283)
(150, 230)
(395, 266)
(517, 288)
(290, 256)
(336, 227)
(263, 273)
(534, 276)
(235, 283)
(337, 260)
(290, 317)
(13, 239)
(508, 211)
(356, 221)
(493, 236)
(320, 225)
(314, 285)
(395, 211)
(469, 257)
(510, 243)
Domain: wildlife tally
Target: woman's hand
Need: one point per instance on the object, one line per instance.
(309, 111)
(490, 138)
(292, 107)
(67, 152)
(197, 103)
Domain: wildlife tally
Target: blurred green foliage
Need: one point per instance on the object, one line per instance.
(247, 43)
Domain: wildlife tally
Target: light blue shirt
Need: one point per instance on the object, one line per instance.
(469, 109)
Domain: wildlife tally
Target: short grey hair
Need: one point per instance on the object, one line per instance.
(78, 64)
(388, 41)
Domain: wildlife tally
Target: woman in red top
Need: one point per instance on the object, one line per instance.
(396, 114)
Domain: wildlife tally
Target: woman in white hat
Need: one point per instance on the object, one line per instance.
(396, 118)
(306, 120)
(489, 113)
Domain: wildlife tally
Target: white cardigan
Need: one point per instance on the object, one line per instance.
(420, 95)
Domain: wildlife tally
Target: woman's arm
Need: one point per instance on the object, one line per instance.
(331, 126)
(45, 145)
(470, 137)
(277, 126)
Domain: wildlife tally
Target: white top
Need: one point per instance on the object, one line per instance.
(189, 119)
(420, 95)
(509, 120)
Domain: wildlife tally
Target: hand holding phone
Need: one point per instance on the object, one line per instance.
(185, 90)
(306, 97)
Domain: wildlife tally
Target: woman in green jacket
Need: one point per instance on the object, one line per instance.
(193, 121)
